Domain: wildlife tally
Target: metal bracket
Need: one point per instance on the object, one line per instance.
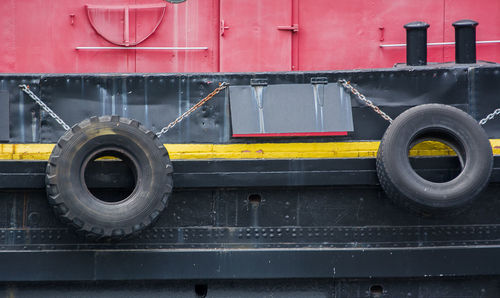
(319, 80)
(258, 82)
(223, 27)
(293, 28)
(144, 48)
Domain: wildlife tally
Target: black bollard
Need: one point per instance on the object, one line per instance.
(465, 41)
(416, 43)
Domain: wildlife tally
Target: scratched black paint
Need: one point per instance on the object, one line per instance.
(157, 99)
(300, 229)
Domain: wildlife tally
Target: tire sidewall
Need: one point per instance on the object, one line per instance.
(153, 180)
(424, 194)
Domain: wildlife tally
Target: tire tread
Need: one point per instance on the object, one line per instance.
(62, 211)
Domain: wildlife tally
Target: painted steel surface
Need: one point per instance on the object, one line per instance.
(290, 288)
(253, 42)
(247, 173)
(145, 21)
(296, 150)
(298, 227)
(290, 110)
(290, 233)
(4, 115)
(156, 100)
(41, 36)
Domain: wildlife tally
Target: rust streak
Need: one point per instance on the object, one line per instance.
(25, 207)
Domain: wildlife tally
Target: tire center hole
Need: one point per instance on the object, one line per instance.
(110, 175)
(435, 159)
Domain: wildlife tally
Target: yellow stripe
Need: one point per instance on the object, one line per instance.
(251, 151)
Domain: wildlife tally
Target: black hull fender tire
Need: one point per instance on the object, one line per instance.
(101, 136)
(450, 126)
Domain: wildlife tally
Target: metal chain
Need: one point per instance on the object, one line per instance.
(363, 98)
(221, 87)
(26, 89)
(377, 110)
(489, 117)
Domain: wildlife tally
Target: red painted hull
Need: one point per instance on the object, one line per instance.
(41, 36)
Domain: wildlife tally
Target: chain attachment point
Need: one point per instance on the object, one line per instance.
(221, 87)
(26, 89)
(363, 98)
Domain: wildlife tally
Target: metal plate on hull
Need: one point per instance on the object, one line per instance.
(290, 109)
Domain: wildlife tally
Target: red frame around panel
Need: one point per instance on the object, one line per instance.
(293, 134)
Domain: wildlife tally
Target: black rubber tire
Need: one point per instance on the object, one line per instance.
(445, 124)
(72, 200)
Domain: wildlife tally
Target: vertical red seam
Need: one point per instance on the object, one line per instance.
(219, 18)
(295, 35)
(444, 30)
(135, 37)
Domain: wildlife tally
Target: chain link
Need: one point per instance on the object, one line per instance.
(377, 110)
(221, 87)
(26, 89)
(363, 98)
(489, 117)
